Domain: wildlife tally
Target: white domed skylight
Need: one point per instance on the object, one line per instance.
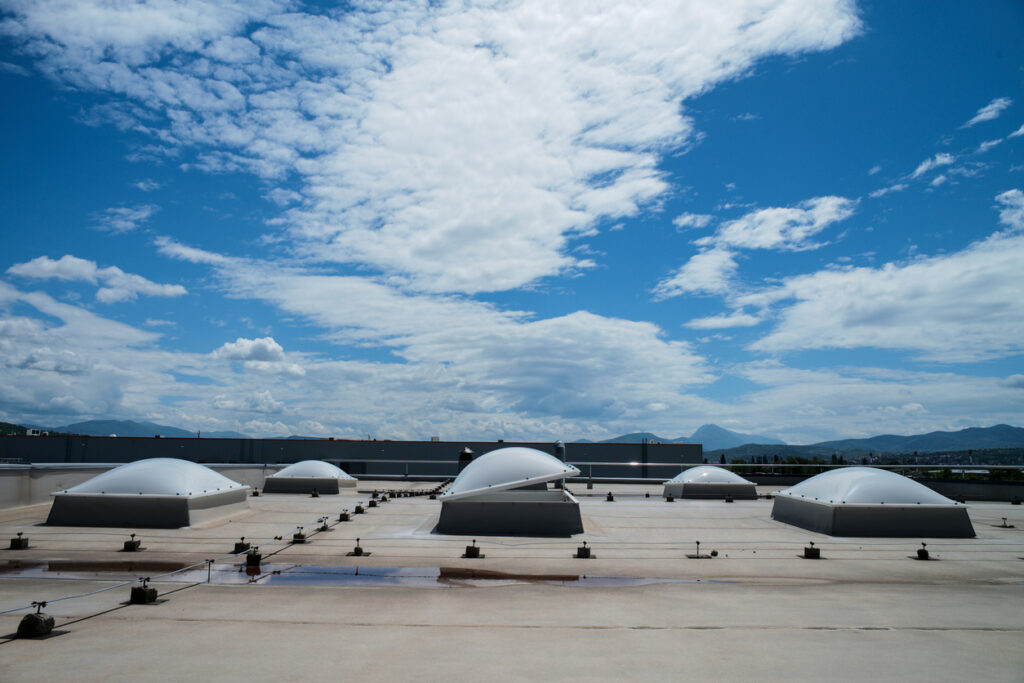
(707, 474)
(157, 477)
(313, 469)
(507, 468)
(864, 486)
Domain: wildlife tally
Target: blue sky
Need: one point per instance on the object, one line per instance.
(509, 220)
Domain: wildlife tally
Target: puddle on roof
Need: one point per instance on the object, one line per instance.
(311, 575)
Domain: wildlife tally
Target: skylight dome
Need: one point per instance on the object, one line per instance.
(313, 469)
(707, 474)
(164, 493)
(708, 481)
(866, 501)
(157, 477)
(507, 468)
(865, 486)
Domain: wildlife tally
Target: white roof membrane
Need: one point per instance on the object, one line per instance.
(707, 474)
(507, 468)
(313, 469)
(864, 486)
(157, 477)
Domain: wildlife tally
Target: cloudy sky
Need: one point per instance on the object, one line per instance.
(521, 220)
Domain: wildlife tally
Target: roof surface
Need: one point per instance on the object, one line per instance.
(645, 609)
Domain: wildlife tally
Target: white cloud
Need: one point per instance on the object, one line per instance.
(874, 170)
(117, 285)
(124, 218)
(959, 307)
(495, 364)
(1012, 212)
(1017, 133)
(173, 249)
(147, 185)
(940, 159)
(990, 111)
(868, 401)
(938, 180)
(255, 402)
(711, 271)
(265, 349)
(988, 144)
(787, 229)
(426, 139)
(723, 321)
(881, 192)
(692, 220)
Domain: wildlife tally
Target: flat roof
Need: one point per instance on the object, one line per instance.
(645, 609)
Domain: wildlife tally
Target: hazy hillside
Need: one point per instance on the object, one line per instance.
(714, 437)
(132, 428)
(710, 435)
(637, 437)
(998, 436)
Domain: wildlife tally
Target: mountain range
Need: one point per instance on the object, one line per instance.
(132, 428)
(713, 437)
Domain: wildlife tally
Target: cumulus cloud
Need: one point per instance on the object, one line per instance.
(1011, 213)
(692, 220)
(990, 111)
(427, 139)
(786, 229)
(958, 307)
(711, 271)
(940, 159)
(255, 402)
(124, 218)
(117, 285)
(507, 363)
(265, 349)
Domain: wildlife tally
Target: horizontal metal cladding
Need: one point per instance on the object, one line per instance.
(427, 458)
